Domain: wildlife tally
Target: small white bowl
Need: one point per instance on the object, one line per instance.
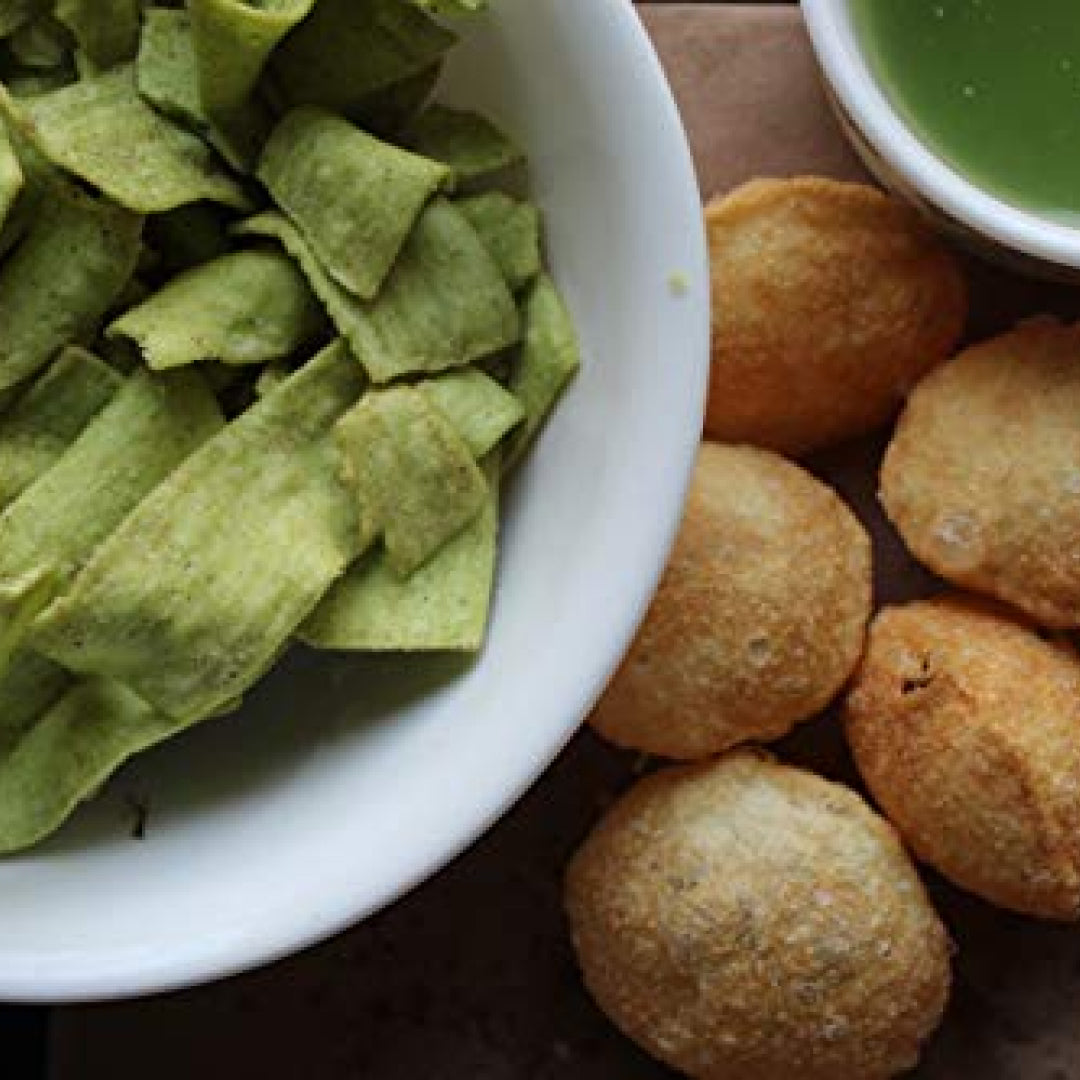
(901, 161)
(344, 782)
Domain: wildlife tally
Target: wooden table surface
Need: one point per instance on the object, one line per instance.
(472, 976)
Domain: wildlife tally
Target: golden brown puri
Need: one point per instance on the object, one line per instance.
(965, 725)
(983, 475)
(744, 920)
(759, 619)
(830, 300)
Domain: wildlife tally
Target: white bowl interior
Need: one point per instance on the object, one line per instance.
(844, 63)
(345, 781)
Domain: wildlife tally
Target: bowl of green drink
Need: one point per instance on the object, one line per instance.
(968, 108)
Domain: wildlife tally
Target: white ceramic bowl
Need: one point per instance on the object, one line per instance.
(344, 782)
(901, 161)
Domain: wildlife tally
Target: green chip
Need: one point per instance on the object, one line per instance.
(11, 175)
(481, 411)
(101, 130)
(10, 397)
(21, 599)
(37, 430)
(151, 424)
(510, 230)
(121, 356)
(444, 305)
(550, 357)
(40, 179)
(233, 40)
(63, 277)
(194, 596)
(41, 44)
(107, 31)
(68, 754)
(468, 143)
(346, 312)
(346, 50)
(27, 83)
(29, 687)
(165, 69)
(16, 13)
(387, 111)
(249, 307)
(442, 606)
(414, 477)
(271, 377)
(453, 7)
(353, 197)
(134, 292)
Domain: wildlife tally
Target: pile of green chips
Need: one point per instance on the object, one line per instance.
(272, 331)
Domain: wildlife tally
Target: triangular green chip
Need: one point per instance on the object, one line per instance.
(30, 685)
(68, 754)
(37, 430)
(550, 357)
(106, 31)
(65, 274)
(444, 305)
(248, 307)
(232, 41)
(353, 197)
(442, 606)
(510, 230)
(481, 411)
(346, 50)
(468, 143)
(414, 478)
(102, 130)
(165, 69)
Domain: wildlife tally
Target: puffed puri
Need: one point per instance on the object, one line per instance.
(760, 617)
(965, 726)
(982, 478)
(830, 300)
(745, 920)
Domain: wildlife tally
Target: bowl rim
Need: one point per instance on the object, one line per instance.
(843, 61)
(142, 970)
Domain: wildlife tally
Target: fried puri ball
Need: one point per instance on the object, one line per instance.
(744, 920)
(965, 725)
(830, 300)
(760, 617)
(982, 478)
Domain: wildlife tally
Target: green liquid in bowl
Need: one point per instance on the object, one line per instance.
(992, 86)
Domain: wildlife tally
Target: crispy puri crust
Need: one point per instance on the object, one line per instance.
(759, 620)
(830, 300)
(742, 920)
(982, 478)
(965, 725)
